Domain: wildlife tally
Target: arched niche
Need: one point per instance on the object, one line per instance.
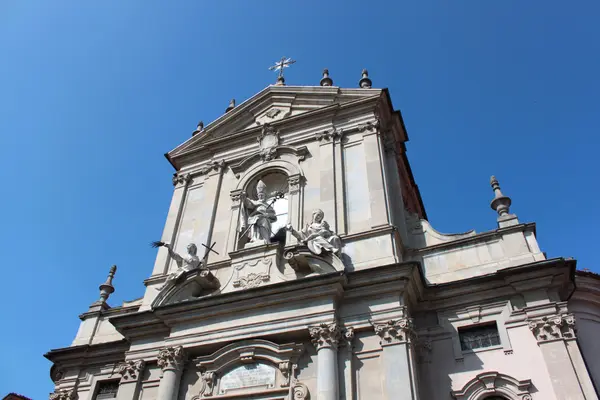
(280, 175)
(490, 385)
(256, 368)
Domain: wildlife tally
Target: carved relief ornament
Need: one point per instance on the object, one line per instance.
(325, 335)
(268, 140)
(171, 358)
(395, 331)
(67, 394)
(553, 327)
(131, 369)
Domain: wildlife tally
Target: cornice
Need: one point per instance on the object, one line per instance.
(86, 354)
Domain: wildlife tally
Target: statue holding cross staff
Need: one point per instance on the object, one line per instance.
(186, 263)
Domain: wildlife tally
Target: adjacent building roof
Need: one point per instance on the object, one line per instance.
(15, 396)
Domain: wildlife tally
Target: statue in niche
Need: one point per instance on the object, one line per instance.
(185, 264)
(317, 235)
(257, 216)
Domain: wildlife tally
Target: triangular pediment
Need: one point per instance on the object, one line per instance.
(271, 105)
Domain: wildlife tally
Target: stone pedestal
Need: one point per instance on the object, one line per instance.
(325, 337)
(399, 373)
(131, 377)
(170, 360)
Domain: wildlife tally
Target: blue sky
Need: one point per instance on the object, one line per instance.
(93, 93)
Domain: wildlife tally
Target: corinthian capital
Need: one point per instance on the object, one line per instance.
(171, 358)
(395, 331)
(325, 335)
(555, 327)
(131, 370)
(67, 394)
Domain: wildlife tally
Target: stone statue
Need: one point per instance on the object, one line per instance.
(185, 264)
(257, 216)
(317, 235)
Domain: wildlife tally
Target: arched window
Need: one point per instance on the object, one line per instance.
(494, 386)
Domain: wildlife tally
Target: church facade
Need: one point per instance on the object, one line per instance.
(297, 262)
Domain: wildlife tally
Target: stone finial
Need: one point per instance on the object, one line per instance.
(107, 288)
(365, 82)
(326, 80)
(501, 204)
(231, 106)
(280, 81)
(199, 128)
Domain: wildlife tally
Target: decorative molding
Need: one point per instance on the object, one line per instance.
(325, 335)
(555, 327)
(395, 331)
(493, 383)
(131, 369)
(299, 152)
(236, 198)
(66, 394)
(330, 135)
(171, 358)
(181, 179)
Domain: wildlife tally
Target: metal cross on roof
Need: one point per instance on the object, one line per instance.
(280, 65)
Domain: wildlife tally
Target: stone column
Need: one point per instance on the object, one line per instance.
(131, 378)
(555, 335)
(325, 337)
(399, 373)
(170, 360)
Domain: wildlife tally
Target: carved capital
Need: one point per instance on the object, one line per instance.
(555, 327)
(395, 331)
(171, 358)
(181, 179)
(329, 135)
(325, 335)
(131, 370)
(370, 127)
(67, 394)
(212, 166)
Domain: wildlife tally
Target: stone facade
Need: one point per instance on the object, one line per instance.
(361, 299)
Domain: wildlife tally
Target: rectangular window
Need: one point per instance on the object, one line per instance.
(479, 336)
(107, 390)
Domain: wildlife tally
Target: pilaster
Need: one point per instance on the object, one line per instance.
(556, 338)
(375, 167)
(131, 377)
(347, 344)
(399, 372)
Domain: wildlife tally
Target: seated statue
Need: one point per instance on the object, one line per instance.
(317, 235)
(185, 264)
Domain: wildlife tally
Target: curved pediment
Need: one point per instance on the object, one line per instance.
(192, 285)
